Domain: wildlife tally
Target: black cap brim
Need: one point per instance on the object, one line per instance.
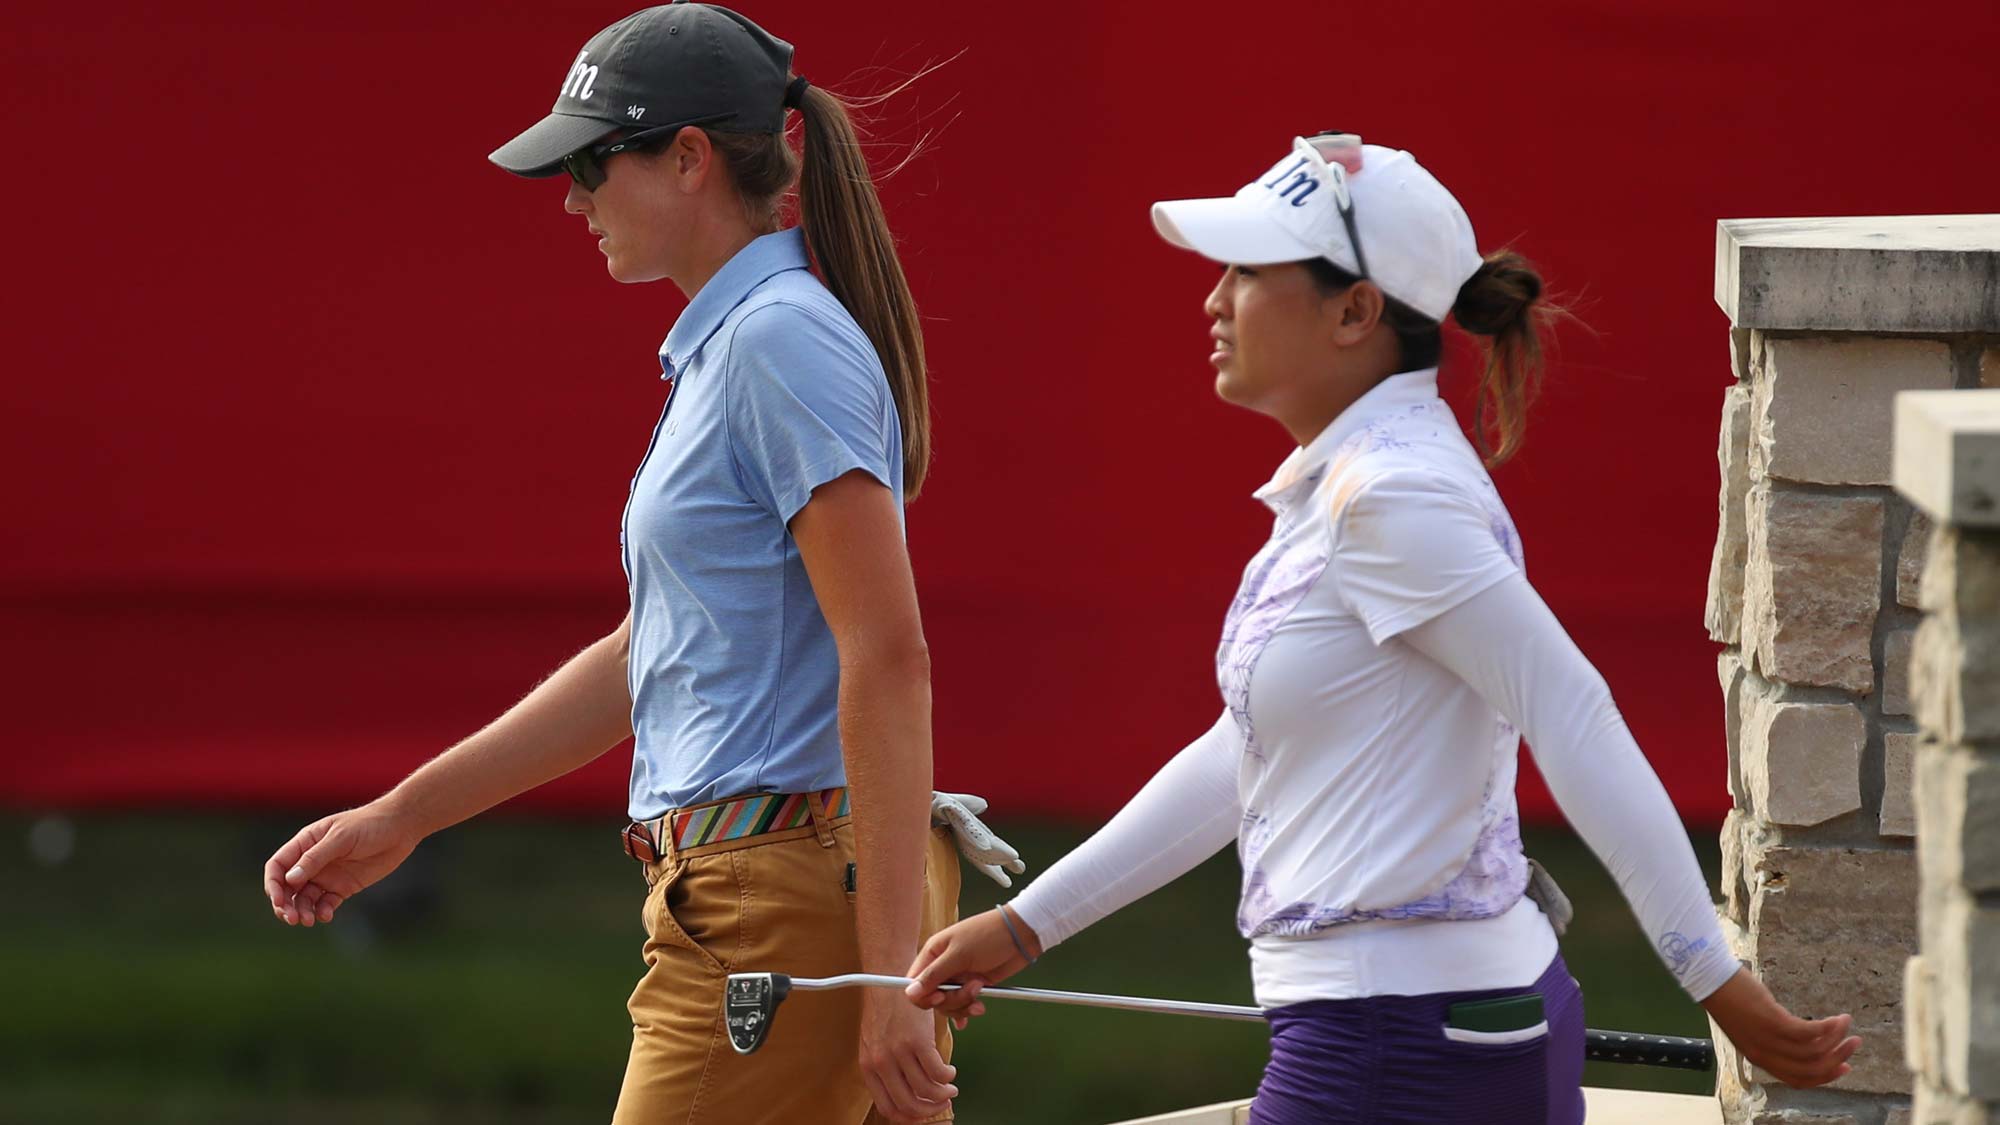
(540, 148)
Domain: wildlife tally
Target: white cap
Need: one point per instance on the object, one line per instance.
(1415, 239)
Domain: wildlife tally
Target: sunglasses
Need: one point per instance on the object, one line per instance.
(1338, 155)
(586, 165)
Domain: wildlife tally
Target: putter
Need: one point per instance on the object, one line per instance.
(750, 1002)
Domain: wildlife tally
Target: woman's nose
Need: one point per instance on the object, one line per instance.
(1217, 304)
(575, 199)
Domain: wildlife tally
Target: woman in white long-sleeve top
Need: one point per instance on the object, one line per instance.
(1379, 663)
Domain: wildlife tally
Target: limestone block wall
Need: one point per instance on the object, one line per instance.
(1813, 593)
(1948, 465)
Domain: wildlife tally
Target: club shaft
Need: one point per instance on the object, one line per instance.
(1049, 996)
(1599, 1046)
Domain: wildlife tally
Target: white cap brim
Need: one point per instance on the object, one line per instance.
(1232, 230)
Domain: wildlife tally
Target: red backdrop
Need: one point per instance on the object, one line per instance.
(319, 426)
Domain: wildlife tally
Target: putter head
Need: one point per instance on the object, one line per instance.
(749, 1001)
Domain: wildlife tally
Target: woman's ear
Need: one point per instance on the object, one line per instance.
(1356, 311)
(693, 156)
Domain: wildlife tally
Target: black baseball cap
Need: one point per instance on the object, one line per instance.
(673, 64)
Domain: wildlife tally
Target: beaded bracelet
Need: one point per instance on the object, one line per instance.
(1019, 946)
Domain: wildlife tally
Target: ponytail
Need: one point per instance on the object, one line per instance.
(1503, 302)
(849, 237)
(850, 242)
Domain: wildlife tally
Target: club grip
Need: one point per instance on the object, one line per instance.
(1670, 1051)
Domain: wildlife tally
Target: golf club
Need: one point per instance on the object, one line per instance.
(750, 1002)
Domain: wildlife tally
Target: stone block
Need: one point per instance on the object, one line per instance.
(1730, 671)
(1899, 766)
(1896, 671)
(1898, 1116)
(1801, 762)
(1802, 1117)
(1957, 795)
(1964, 962)
(1825, 408)
(1830, 931)
(1812, 587)
(1947, 454)
(1910, 559)
(1725, 568)
(1743, 345)
(1935, 1106)
(1902, 273)
(1955, 677)
(1921, 1046)
(1735, 874)
(1961, 572)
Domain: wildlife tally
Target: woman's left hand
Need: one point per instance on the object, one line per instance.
(1797, 1052)
(972, 954)
(907, 1077)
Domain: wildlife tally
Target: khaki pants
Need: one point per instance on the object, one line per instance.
(772, 903)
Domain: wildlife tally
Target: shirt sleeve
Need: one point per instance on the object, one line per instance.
(1410, 545)
(805, 403)
(1186, 813)
(1508, 646)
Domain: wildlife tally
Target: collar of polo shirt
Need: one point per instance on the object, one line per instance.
(762, 259)
(1299, 473)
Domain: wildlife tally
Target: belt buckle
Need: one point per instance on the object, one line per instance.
(638, 841)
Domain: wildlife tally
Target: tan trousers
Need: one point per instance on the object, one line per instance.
(772, 903)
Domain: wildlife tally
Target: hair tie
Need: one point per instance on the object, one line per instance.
(1019, 946)
(795, 92)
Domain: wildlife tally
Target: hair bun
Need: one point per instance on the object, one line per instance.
(1498, 295)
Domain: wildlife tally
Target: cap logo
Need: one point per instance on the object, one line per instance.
(580, 80)
(1302, 181)
(635, 112)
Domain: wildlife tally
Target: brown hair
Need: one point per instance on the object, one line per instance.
(850, 242)
(1501, 301)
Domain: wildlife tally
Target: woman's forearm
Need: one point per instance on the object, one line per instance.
(885, 737)
(579, 712)
(1506, 644)
(1187, 812)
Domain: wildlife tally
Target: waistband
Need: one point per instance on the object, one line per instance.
(733, 822)
(1413, 957)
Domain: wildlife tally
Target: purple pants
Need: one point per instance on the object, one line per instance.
(1385, 1058)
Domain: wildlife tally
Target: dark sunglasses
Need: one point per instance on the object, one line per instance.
(586, 165)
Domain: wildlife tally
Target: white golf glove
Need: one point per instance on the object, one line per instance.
(981, 848)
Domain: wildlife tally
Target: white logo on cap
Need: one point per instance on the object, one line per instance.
(635, 111)
(580, 80)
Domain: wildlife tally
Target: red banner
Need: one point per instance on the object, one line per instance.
(321, 426)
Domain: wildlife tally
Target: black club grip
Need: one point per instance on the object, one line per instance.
(1648, 1050)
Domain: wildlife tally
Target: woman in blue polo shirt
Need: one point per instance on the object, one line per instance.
(772, 670)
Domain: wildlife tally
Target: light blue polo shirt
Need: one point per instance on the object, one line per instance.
(734, 676)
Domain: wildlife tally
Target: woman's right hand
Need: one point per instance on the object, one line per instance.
(333, 858)
(1797, 1052)
(974, 953)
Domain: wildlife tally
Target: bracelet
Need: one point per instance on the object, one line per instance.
(1019, 946)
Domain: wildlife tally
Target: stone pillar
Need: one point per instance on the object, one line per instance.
(1948, 465)
(1812, 592)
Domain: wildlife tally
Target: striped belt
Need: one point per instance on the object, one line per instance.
(735, 818)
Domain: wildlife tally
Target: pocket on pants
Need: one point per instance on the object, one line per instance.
(690, 908)
(1499, 1021)
(1497, 1038)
